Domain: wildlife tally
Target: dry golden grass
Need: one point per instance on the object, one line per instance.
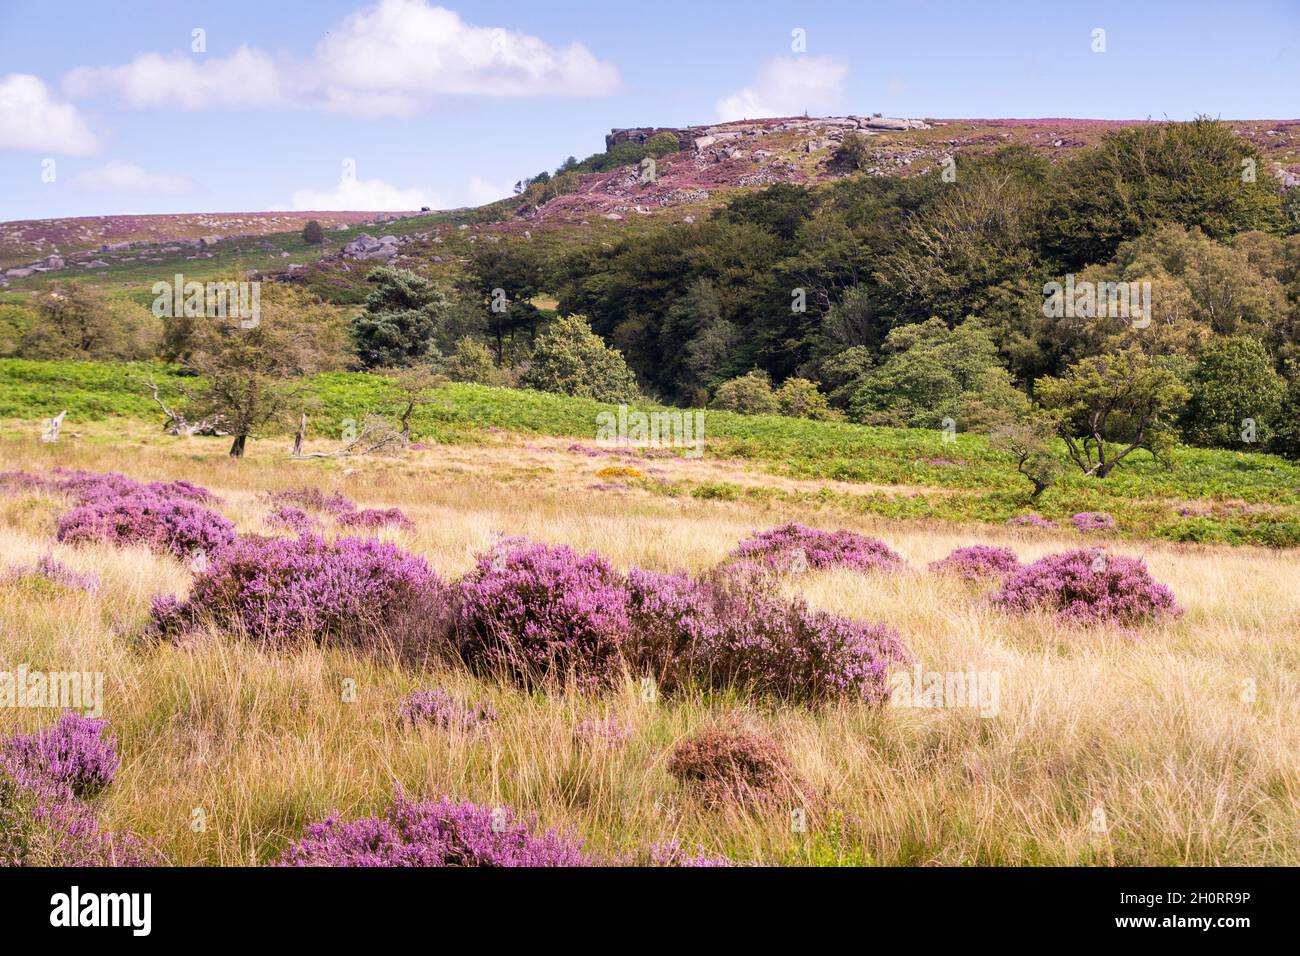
(1154, 727)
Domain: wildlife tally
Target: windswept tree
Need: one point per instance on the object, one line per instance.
(253, 369)
(1106, 407)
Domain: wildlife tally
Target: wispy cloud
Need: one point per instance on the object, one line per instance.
(121, 177)
(363, 195)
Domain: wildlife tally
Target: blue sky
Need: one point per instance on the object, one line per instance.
(449, 106)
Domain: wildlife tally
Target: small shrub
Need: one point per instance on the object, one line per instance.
(1085, 587)
(439, 709)
(354, 592)
(52, 571)
(726, 765)
(1093, 521)
(141, 516)
(535, 612)
(438, 833)
(977, 562)
(289, 518)
(371, 519)
(72, 754)
(748, 394)
(797, 547)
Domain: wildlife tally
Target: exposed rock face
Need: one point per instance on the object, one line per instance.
(643, 134)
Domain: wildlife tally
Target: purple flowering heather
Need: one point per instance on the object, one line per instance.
(1030, 521)
(1086, 587)
(734, 630)
(977, 562)
(672, 853)
(372, 519)
(74, 753)
(1093, 521)
(313, 499)
(438, 833)
(289, 518)
(356, 592)
(142, 516)
(795, 547)
(439, 709)
(49, 568)
(536, 612)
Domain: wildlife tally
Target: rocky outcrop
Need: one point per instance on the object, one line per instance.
(367, 247)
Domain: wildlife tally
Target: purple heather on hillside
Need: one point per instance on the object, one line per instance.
(977, 562)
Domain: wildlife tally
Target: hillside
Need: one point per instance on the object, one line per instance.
(713, 164)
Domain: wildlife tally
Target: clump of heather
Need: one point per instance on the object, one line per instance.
(536, 612)
(438, 708)
(1030, 521)
(726, 764)
(142, 516)
(610, 731)
(1087, 587)
(53, 571)
(314, 500)
(374, 518)
(83, 486)
(437, 833)
(74, 753)
(734, 630)
(363, 593)
(43, 820)
(977, 562)
(1093, 521)
(797, 547)
(289, 518)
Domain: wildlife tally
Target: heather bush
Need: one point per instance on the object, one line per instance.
(1086, 587)
(438, 708)
(734, 630)
(54, 572)
(289, 518)
(142, 516)
(364, 593)
(43, 821)
(977, 562)
(726, 764)
(1093, 521)
(312, 499)
(535, 612)
(72, 754)
(371, 519)
(437, 833)
(797, 547)
(672, 853)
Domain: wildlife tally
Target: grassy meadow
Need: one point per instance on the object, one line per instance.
(1183, 737)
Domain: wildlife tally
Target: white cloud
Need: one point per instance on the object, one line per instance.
(787, 87)
(117, 176)
(481, 192)
(362, 195)
(30, 118)
(246, 79)
(393, 58)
